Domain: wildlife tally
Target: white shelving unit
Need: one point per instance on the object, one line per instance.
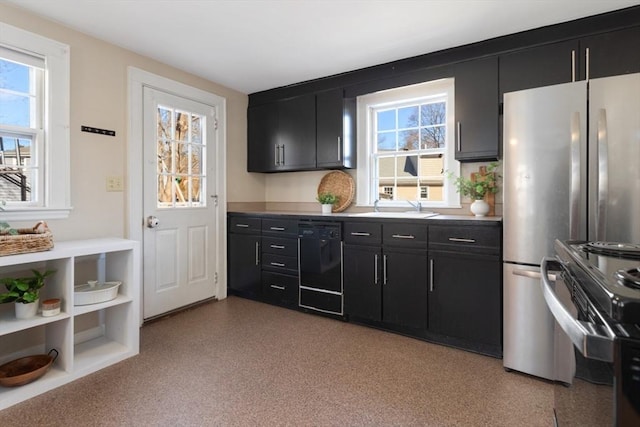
(88, 337)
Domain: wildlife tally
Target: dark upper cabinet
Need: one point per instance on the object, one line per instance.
(477, 110)
(262, 135)
(539, 66)
(610, 54)
(335, 130)
(296, 133)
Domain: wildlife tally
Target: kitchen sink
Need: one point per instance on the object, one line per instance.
(409, 214)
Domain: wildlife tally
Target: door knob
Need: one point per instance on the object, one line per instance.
(152, 221)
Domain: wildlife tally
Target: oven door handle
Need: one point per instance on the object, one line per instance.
(593, 341)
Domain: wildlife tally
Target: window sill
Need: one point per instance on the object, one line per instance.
(34, 214)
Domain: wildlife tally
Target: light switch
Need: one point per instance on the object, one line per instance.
(114, 183)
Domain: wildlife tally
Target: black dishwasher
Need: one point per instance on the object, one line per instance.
(320, 265)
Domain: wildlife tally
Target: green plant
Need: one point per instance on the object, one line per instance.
(476, 190)
(327, 198)
(5, 228)
(24, 289)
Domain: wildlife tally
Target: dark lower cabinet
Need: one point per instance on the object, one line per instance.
(244, 265)
(280, 289)
(404, 288)
(388, 286)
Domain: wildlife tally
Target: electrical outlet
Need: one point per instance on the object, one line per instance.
(114, 183)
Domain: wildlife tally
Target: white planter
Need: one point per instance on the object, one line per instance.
(326, 209)
(480, 208)
(26, 311)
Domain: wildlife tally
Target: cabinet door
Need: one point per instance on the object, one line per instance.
(465, 296)
(404, 288)
(244, 265)
(476, 92)
(362, 282)
(297, 133)
(539, 66)
(262, 131)
(334, 147)
(611, 54)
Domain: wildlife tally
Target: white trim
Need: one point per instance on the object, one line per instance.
(365, 174)
(137, 79)
(57, 192)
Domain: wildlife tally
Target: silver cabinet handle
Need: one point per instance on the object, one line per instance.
(592, 340)
(257, 253)
(282, 154)
(375, 269)
(431, 275)
(603, 175)
(403, 236)
(384, 269)
(573, 65)
(277, 264)
(276, 154)
(280, 288)
(277, 246)
(276, 228)
(339, 149)
(461, 239)
(574, 204)
(242, 225)
(587, 65)
(360, 233)
(459, 134)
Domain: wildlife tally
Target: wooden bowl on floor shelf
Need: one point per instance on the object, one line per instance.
(26, 369)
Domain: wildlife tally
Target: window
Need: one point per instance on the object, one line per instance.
(406, 145)
(34, 125)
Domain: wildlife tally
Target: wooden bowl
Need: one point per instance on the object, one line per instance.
(26, 369)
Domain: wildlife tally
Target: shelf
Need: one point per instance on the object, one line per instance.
(83, 309)
(55, 377)
(98, 353)
(9, 324)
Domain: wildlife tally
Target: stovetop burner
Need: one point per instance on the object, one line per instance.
(623, 250)
(629, 277)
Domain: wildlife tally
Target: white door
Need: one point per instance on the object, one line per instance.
(179, 238)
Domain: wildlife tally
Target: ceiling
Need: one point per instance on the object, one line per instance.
(254, 45)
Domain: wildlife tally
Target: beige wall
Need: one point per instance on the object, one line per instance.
(99, 99)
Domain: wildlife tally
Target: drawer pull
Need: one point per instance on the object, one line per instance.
(281, 288)
(277, 228)
(403, 236)
(257, 253)
(242, 225)
(360, 233)
(277, 264)
(277, 246)
(460, 239)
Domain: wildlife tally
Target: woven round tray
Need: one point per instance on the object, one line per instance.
(341, 184)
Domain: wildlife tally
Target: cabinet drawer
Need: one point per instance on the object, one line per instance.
(280, 289)
(280, 262)
(246, 225)
(362, 233)
(280, 246)
(407, 235)
(468, 237)
(280, 226)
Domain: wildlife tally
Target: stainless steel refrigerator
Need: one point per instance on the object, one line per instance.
(571, 171)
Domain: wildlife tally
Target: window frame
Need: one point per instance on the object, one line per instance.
(54, 193)
(366, 172)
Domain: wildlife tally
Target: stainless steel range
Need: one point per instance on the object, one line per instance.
(595, 299)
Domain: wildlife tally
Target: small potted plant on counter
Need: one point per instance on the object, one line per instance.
(478, 188)
(327, 200)
(24, 292)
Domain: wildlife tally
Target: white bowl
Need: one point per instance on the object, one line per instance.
(94, 292)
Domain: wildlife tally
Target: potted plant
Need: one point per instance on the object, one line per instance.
(327, 200)
(24, 292)
(477, 189)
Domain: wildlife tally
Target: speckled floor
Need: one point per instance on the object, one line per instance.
(242, 363)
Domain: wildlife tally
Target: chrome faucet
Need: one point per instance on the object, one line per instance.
(375, 205)
(415, 204)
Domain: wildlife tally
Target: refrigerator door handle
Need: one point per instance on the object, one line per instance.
(603, 175)
(574, 204)
(532, 274)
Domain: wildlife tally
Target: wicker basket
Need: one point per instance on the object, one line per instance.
(35, 239)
